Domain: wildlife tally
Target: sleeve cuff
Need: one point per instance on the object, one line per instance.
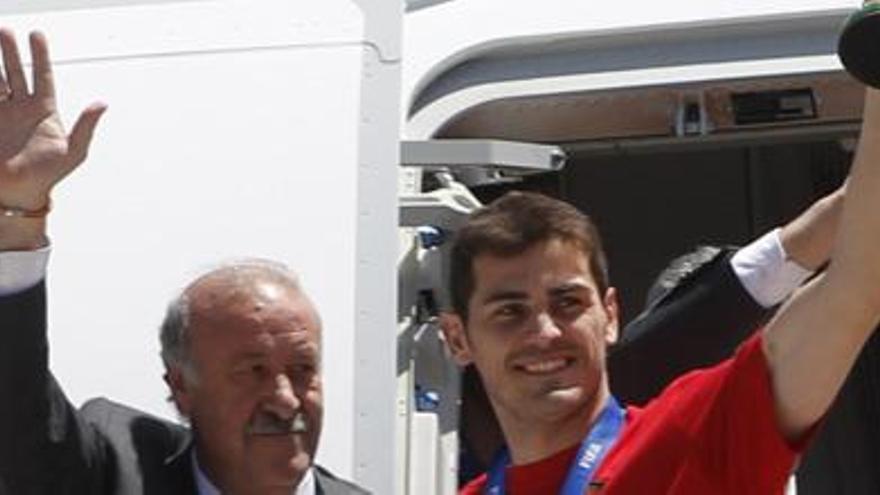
(21, 270)
(765, 271)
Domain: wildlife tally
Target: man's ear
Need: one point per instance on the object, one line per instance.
(180, 390)
(612, 310)
(456, 339)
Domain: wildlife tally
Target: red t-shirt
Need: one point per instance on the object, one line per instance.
(712, 431)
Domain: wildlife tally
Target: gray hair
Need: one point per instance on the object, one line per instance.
(174, 331)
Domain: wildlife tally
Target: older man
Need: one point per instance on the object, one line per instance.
(241, 347)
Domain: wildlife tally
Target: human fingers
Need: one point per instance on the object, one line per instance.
(12, 63)
(44, 80)
(81, 135)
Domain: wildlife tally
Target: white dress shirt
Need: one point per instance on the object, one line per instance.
(21, 270)
(766, 272)
(205, 487)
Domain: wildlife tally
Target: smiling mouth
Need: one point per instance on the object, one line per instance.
(269, 424)
(546, 367)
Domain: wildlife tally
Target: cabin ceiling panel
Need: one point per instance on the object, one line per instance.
(649, 112)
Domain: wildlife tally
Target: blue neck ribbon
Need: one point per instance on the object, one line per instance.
(598, 442)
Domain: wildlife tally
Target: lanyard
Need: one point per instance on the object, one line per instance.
(593, 449)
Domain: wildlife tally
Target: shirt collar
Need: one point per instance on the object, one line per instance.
(205, 487)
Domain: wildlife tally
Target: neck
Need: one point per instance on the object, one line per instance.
(531, 439)
(236, 482)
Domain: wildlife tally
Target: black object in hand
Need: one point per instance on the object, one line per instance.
(859, 45)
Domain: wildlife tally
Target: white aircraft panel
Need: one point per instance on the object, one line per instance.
(434, 35)
(232, 130)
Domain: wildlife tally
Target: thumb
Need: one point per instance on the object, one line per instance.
(81, 135)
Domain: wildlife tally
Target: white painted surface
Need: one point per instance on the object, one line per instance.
(435, 35)
(234, 129)
(377, 239)
(23, 6)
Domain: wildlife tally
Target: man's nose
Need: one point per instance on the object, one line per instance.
(283, 401)
(547, 326)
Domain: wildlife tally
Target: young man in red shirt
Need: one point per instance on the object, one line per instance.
(534, 312)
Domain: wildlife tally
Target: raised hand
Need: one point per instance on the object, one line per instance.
(35, 151)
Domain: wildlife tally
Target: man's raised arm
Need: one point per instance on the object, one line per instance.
(815, 338)
(43, 448)
(35, 151)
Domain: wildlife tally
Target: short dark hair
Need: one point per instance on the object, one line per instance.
(511, 225)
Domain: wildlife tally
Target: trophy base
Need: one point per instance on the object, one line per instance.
(859, 45)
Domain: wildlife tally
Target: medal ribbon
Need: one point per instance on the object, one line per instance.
(598, 442)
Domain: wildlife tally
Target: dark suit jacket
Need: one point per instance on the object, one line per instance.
(47, 447)
(698, 323)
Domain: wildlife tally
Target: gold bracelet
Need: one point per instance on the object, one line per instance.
(15, 212)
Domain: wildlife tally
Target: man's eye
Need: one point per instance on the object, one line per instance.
(510, 311)
(251, 370)
(302, 369)
(569, 304)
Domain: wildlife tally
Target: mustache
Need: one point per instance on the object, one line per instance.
(265, 423)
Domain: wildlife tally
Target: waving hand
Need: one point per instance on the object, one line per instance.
(35, 151)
